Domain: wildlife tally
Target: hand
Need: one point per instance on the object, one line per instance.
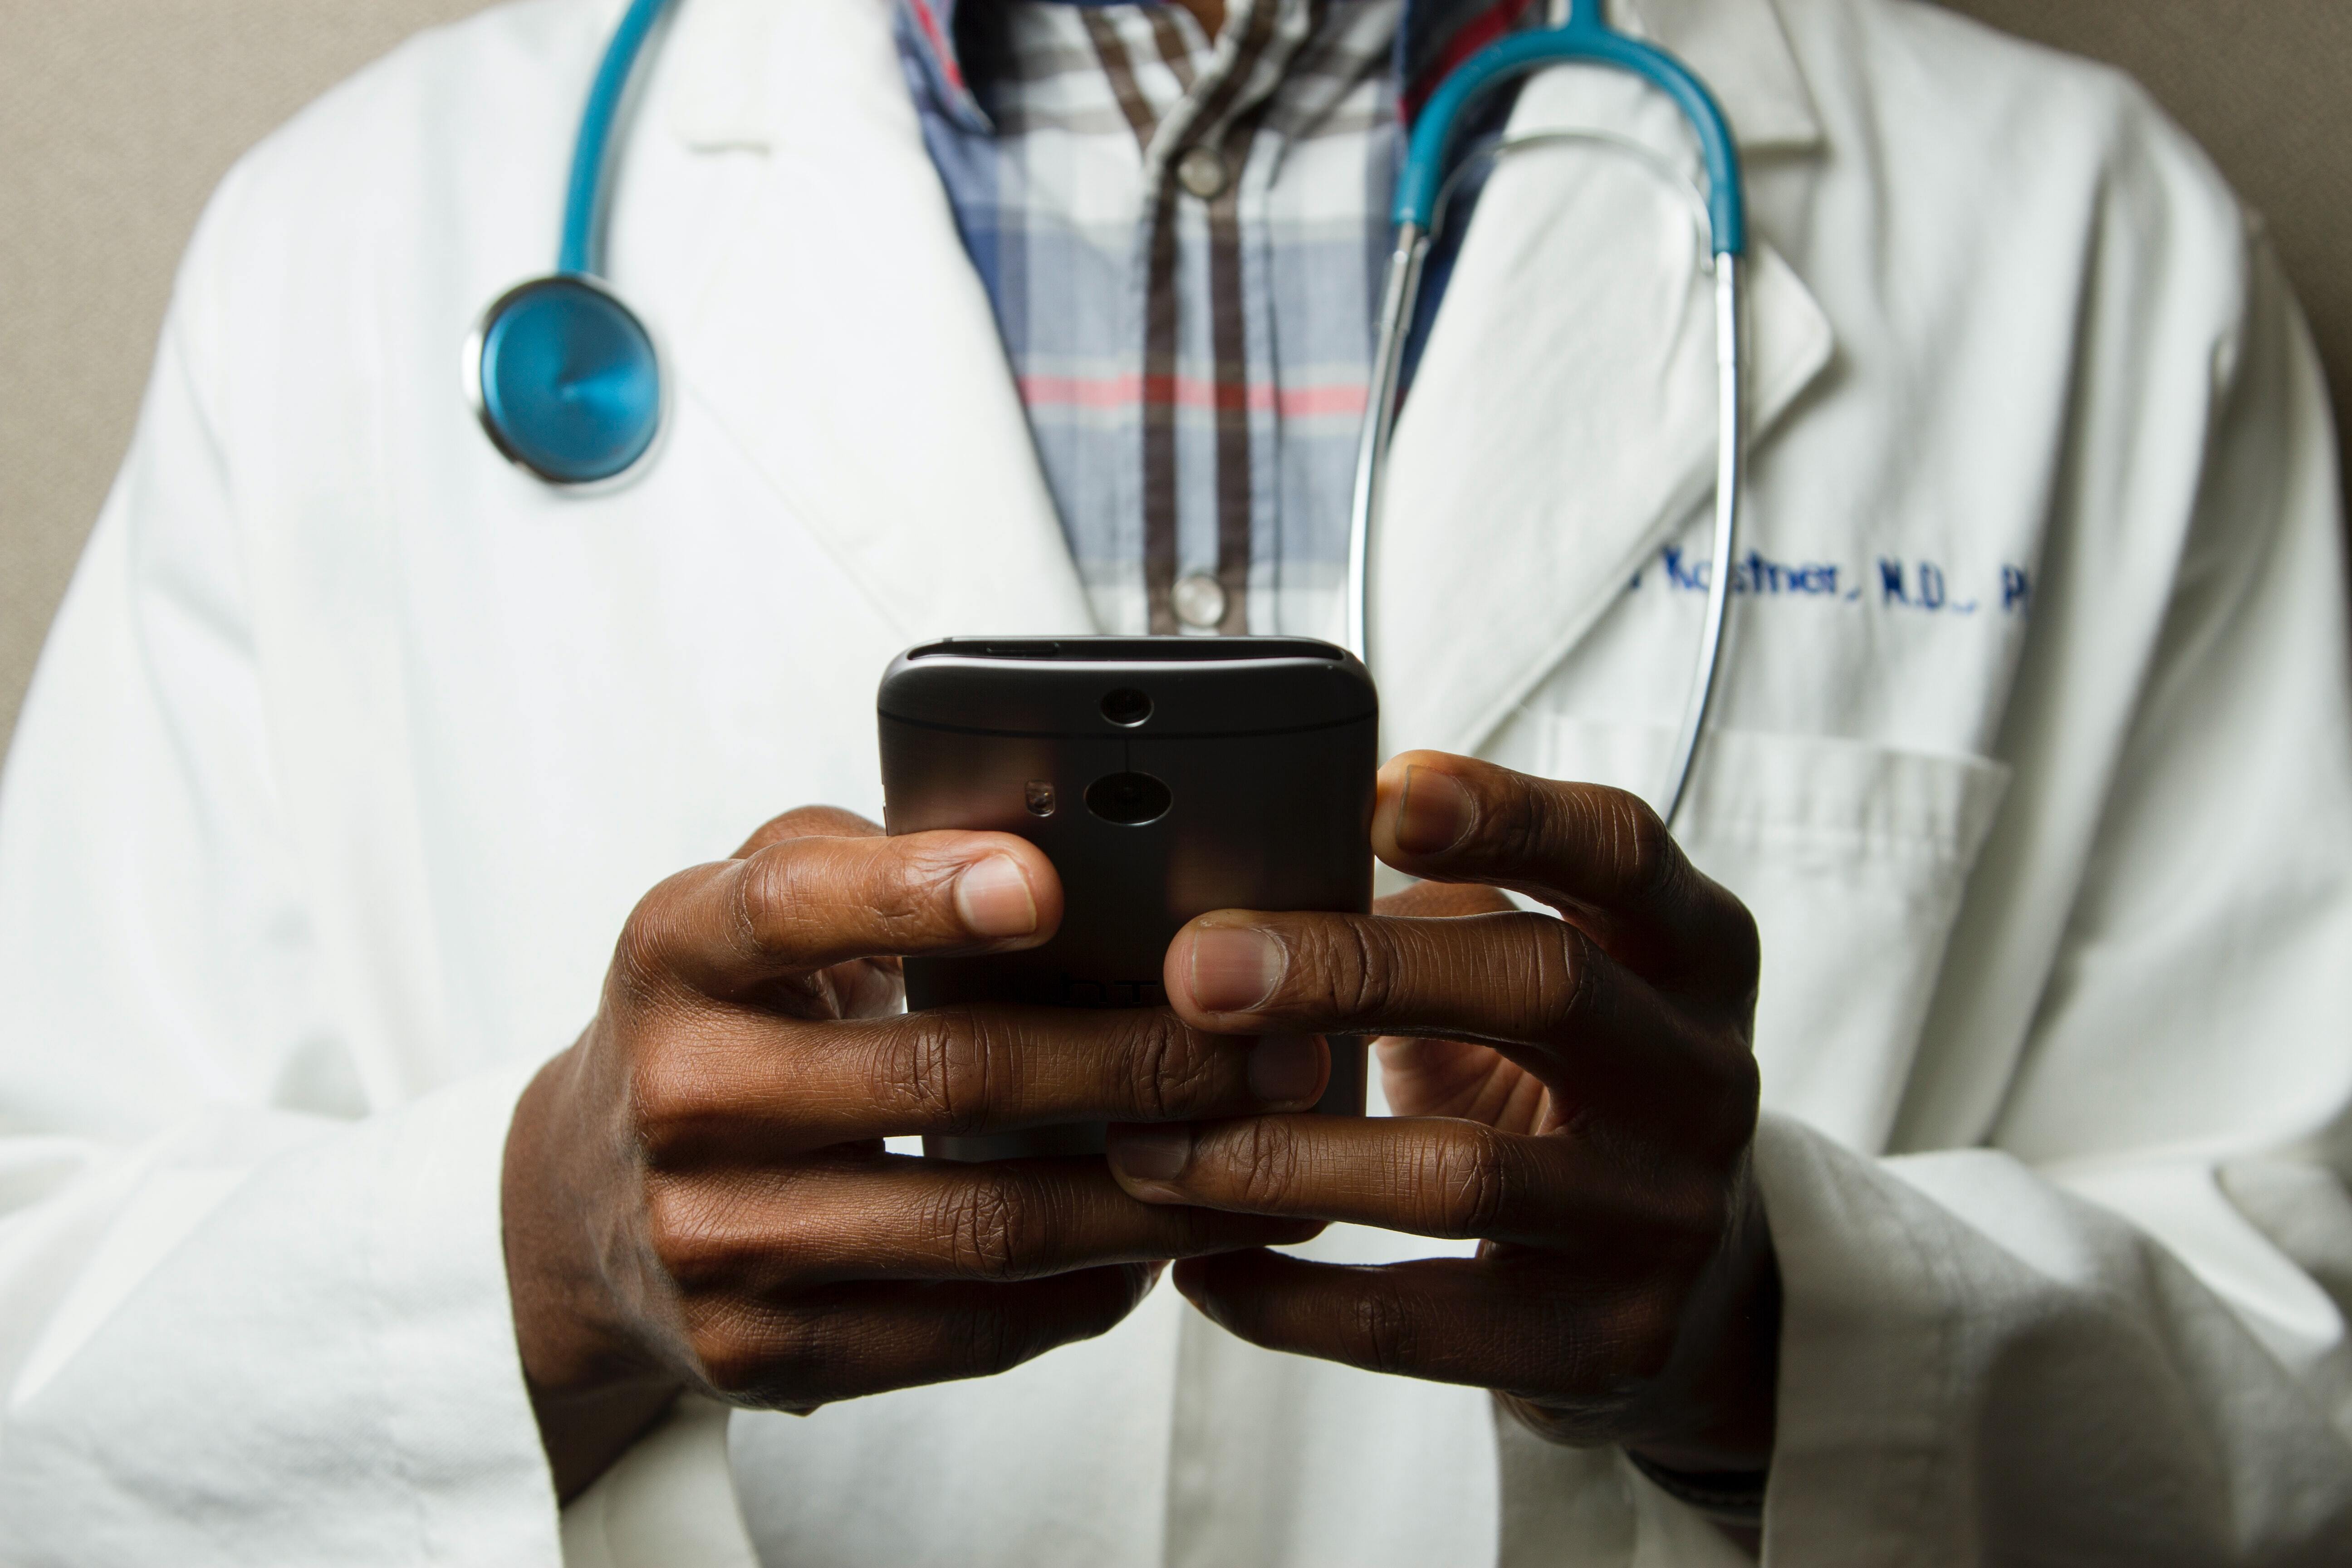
(1577, 1093)
(697, 1194)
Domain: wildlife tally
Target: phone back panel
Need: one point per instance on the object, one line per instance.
(1256, 757)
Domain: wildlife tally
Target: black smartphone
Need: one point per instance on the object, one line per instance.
(1164, 777)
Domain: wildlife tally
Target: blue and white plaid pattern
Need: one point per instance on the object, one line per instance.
(1192, 352)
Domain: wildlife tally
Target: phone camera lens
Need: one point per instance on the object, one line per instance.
(1128, 799)
(1126, 707)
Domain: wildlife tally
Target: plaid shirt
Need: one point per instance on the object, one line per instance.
(1183, 241)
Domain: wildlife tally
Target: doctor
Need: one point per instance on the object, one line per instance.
(2015, 874)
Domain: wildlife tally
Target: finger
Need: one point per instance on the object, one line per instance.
(871, 1336)
(810, 822)
(864, 988)
(803, 904)
(1443, 899)
(902, 1219)
(763, 1089)
(1447, 1319)
(1425, 1076)
(1536, 988)
(1597, 853)
(1425, 1176)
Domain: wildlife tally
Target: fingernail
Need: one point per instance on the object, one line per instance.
(1284, 1067)
(1152, 1153)
(1433, 812)
(993, 897)
(1234, 968)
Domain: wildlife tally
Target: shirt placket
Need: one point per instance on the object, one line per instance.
(1199, 484)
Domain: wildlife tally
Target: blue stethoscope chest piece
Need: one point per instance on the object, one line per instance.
(563, 376)
(566, 380)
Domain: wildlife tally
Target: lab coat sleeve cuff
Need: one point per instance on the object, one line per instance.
(1864, 1382)
(1978, 1364)
(458, 1413)
(1866, 1371)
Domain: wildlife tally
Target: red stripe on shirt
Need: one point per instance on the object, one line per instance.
(938, 39)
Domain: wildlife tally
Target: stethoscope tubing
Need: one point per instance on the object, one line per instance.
(1730, 444)
(1424, 192)
(581, 243)
(1398, 296)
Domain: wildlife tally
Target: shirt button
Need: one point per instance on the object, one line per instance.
(1201, 171)
(1200, 601)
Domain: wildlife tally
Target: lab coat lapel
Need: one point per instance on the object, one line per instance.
(1740, 50)
(844, 344)
(1562, 420)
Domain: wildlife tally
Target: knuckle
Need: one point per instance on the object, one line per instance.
(1566, 981)
(1161, 1068)
(1534, 818)
(998, 1341)
(1361, 967)
(1648, 859)
(1617, 833)
(1267, 1159)
(687, 1236)
(1175, 1072)
(910, 902)
(1721, 1116)
(761, 897)
(671, 1101)
(948, 1067)
(1385, 1331)
(754, 1356)
(995, 1226)
(782, 897)
(642, 966)
(1470, 1183)
(1740, 942)
(1003, 1339)
(1648, 1329)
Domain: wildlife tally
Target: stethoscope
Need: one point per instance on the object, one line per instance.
(563, 376)
(567, 380)
(1422, 194)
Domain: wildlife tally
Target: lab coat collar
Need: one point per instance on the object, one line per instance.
(1564, 443)
(1740, 50)
(723, 55)
(1543, 453)
(844, 346)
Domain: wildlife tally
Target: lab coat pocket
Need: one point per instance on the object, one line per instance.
(1853, 858)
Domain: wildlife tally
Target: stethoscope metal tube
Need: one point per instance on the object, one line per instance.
(1729, 439)
(567, 381)
(1422, 191)
(1397, 296)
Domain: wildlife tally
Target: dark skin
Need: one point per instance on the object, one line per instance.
(696, 1195)
(1577, 1093)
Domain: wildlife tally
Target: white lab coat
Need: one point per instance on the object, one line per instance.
(352, 747)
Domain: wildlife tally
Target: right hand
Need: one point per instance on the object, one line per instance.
(696, 1193)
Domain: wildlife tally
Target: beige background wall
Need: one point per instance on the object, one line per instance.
(117, 116)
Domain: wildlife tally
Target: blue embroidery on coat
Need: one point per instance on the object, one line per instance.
(1917, 585)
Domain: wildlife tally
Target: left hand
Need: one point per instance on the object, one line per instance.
(1579, 1094)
